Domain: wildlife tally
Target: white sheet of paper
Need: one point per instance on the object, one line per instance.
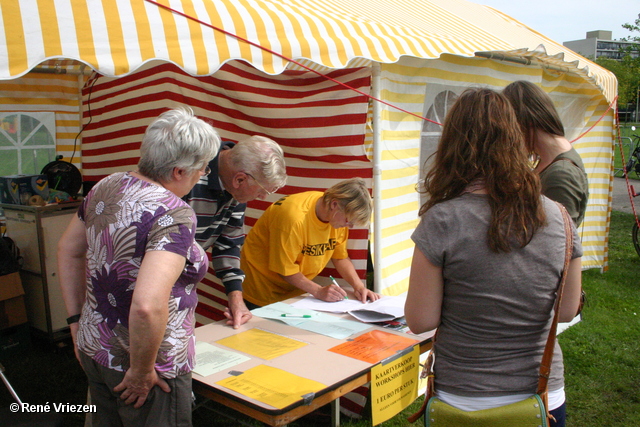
(384, 309)
(343, 306)
(211, 359)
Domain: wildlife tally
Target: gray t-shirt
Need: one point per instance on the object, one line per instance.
(497, 307)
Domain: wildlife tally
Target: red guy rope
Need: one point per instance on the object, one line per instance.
(287, 59)
(624, 169)
(598, 121)
(177, 12)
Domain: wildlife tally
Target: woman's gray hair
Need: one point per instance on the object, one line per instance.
(177, 139)
(261, 157)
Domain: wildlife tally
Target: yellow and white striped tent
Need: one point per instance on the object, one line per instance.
(419, 53)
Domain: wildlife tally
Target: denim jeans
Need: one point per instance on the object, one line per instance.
(560, 414)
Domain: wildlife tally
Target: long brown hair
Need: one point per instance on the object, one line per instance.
(482, 142)
(534, 110)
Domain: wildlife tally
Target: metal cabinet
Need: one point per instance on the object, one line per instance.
(36, 231)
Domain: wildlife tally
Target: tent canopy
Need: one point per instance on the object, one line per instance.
(243, 64)
(116, 37)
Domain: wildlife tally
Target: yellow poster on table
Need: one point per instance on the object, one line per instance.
(394, 385)
(272, 386)
(260, 343)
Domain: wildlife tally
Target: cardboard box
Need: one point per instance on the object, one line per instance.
(18, 189)
(15, 340)
(12, 308)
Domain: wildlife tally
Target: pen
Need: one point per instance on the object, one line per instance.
(336, 283)
(300, 316)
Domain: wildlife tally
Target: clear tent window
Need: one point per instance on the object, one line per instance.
(27, 142)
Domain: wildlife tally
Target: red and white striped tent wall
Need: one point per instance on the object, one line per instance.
(319, 124)
(246, 65)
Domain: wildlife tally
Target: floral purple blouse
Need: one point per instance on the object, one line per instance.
(126, 217)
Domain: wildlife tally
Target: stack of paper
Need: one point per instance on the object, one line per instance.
(385, 309)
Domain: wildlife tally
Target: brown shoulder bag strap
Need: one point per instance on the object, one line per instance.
(547, 357)
(427, 372)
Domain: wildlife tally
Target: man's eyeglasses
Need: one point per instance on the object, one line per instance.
(206, 172)
(261, 186)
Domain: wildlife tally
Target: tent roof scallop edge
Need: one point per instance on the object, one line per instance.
(200, 36)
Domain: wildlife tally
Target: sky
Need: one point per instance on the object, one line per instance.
(566, 20)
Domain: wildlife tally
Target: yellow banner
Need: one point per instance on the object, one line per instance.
(394, 385)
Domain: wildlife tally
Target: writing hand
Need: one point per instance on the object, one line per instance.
(331, 293)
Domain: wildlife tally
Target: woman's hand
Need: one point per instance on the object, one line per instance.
(363, 294)
(135, 387)
(330, 293)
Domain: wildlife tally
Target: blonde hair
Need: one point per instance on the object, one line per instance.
(353, 197)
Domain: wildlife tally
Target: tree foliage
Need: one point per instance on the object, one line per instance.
(635, 27)
(627, 70)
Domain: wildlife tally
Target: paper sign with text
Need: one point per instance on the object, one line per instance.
(394, 385)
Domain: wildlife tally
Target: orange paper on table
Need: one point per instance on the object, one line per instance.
(373, 346)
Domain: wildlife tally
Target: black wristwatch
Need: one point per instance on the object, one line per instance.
(73, 319)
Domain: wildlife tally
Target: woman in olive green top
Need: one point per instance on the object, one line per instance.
(560, 167)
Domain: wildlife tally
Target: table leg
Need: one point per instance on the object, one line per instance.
(335, 412)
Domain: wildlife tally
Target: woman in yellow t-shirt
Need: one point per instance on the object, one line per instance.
(292, 242)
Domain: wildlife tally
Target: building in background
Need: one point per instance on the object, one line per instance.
(599, 44)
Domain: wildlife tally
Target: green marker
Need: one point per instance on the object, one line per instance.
(299, 316)
(336, 283)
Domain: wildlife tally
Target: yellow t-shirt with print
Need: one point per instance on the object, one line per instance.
(287, 239)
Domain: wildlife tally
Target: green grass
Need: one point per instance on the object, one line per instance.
(601, 352)
(601, 357)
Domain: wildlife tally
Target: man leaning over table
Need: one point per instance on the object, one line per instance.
(292, 242)
(251, 169)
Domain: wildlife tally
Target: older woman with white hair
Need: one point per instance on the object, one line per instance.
(129, 265)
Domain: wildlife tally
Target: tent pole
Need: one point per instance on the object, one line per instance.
(83, 71)
(498, 56)
(81, 80)
(377, 178)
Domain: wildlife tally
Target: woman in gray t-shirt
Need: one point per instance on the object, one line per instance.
(489, 254)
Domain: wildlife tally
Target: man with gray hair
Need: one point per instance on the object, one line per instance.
(251, 169)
